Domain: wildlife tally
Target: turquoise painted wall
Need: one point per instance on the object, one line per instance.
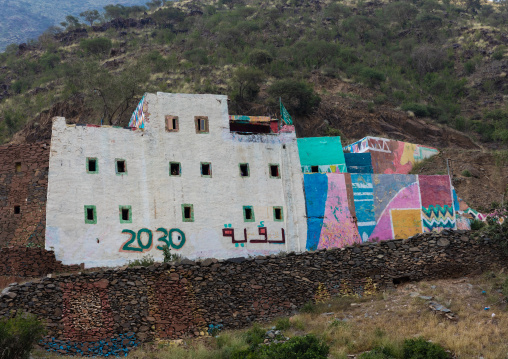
(316, 151)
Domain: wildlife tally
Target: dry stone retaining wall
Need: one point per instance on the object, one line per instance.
(23, 191)
(112, 311)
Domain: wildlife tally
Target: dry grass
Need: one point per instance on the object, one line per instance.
(353, 325)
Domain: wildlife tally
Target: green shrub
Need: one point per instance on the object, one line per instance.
(306, 347)
(98, 46)
(466, 173)
(282, 324)
(258, 57)
(168, 256)
(499, 53)
(254, 336)
(418, 109)
(379, 353)
(371, 76)
(421, 349)
(476, 224)
(469, 67)
(144, 261)
(196, 56)
(297, 96)
(18, 335)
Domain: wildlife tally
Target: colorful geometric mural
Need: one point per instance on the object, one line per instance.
(389, 156)
(384, 207)
(330, 223)
(138, 118)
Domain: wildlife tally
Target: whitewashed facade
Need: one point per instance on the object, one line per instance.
(92, 215)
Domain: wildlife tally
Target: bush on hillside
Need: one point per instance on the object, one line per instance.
(18, 336)
(98, 46)
(297, 96)
(421, 349)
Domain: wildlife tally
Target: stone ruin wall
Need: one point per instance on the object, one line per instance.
(110, 312)
(23, 185)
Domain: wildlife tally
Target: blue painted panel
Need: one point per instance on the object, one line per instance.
(358, 162)
(316, 191)
(363, 191)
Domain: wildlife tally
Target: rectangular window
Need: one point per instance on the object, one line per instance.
(248, 214)
(175, 169)
(206, 169)
(125, 214)
(314, 169)
(187, 213)
(90, 215)
(92, 165)
(121, 166)
(244, 170)
(274, 171)
(18, 166)
(278, 214)
(172, 124)
(17, 209)
(201, 123)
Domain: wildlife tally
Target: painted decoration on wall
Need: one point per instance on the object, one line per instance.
(396, 198)
(363, 194)
(138, 118)
(389, 156)
(330, 223)
(321, 152)
(437, 203)
(358, 162)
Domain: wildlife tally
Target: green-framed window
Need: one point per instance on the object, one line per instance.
(187, 212)
(248, 214)
(125, 213)
(175, 169)
(274, 170)
(244, 169)
(92, 165)
(206, 169)
(278, 214)
(90, 214)
(120, 166)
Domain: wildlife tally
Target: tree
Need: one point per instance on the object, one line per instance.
(297, 96)
(71, 23)
(154, 4)
(90, 16)
(473, 6)
(245, 83)
(98, 46)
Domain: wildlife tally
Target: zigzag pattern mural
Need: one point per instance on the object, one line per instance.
(438, 217)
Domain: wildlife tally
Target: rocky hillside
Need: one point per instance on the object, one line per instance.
(424, 71)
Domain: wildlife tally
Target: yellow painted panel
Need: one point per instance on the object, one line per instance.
(406, 222)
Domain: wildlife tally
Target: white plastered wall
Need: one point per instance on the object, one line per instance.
(156, 197)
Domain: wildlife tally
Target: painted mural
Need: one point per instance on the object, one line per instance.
(321, 154)
(390, 156)
(139, 116)
(384, 207)
(330, 223)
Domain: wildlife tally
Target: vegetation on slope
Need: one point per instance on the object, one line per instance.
(442, 61)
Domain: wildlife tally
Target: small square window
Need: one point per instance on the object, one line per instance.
(187, 213)
(248, 214)
(90, 215)
(274, 171)
(92, 165)
(172, 124)
(125, 214)
(17, 209)
(244, 170)
(206, 169)
(314, 169)
(201, 123)
(175, 169)
(121, 167)
(18, 166)
(278, 214)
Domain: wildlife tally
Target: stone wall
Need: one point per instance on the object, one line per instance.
(112, 311)
(23, 189)
(30, 262)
